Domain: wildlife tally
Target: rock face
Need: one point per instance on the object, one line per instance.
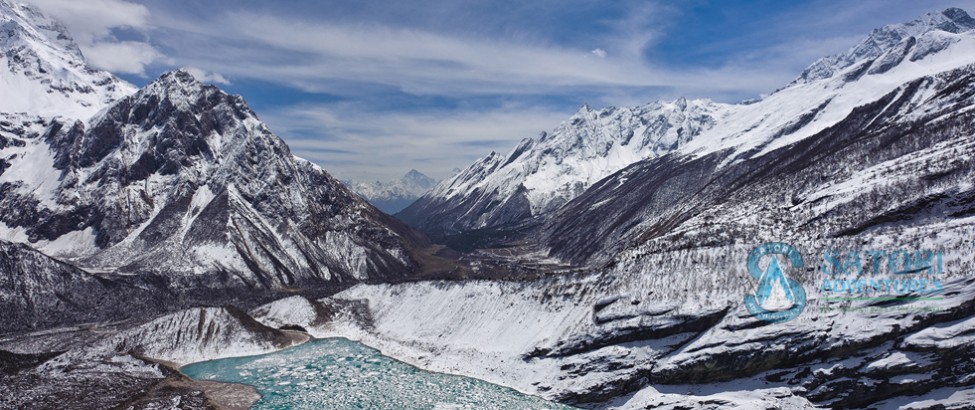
(176, 186)
(392, 197)
(38, 292)
(183, 181)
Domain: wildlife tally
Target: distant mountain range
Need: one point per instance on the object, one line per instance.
(392, 196)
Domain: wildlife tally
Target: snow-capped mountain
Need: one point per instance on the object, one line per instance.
(870, 153)
(178, 181)
(539, 176)
(392, 196)
(893, 42)
(44, 73)
(802, 126)
(542, 174)
(183, 181)
(902, 160)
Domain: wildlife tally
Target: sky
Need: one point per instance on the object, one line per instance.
(372, 89)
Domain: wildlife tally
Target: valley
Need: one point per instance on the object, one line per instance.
(678, 254)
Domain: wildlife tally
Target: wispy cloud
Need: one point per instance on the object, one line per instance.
(366, 143)
(207, 76)
(413, 60)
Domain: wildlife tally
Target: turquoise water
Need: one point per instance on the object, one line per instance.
(342, 374)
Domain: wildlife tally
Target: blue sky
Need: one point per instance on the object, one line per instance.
(370, 89)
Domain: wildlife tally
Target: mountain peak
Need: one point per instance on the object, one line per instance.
(177, 81)
(960, 19)
(393, 196)
(178, 75)
(413, 173)
(681, 103)
(960, 16)
(187, 94)
(896, 38)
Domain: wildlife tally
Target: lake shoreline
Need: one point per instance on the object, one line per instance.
(353, 374)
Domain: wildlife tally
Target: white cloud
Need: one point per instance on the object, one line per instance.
(121, 57)
(344, 138)
(599, 53)
(206, 76)
(91, 23)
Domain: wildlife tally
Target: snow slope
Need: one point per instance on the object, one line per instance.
(45, 73)
(540, 176)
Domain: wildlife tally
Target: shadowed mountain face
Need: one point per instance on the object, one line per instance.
(38, 292)
(183, 181)
(904, 160)
(540, 177)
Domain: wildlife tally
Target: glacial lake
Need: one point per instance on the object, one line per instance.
(342, 374)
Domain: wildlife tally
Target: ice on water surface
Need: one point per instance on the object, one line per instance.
(342, 374)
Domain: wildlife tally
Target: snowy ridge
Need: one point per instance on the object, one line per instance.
(887, 38)
(45, 70)
(541, 174)
(188, 336)
(806, 108)
(903, 159)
